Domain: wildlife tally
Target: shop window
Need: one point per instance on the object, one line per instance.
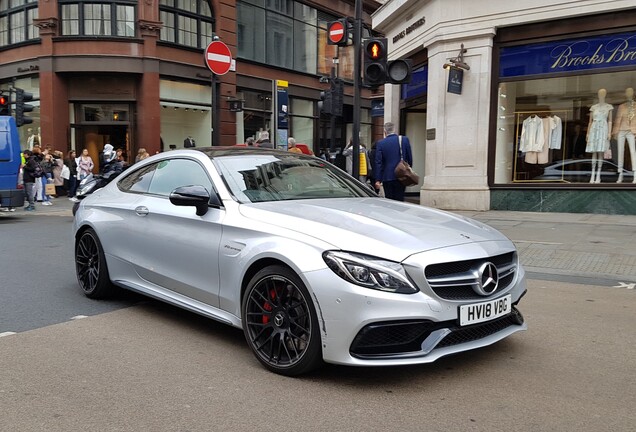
(16, 21)
(89, 18)
(550, 124)
(545, 125)
(188, 23)
(302, 121)
(257, 113)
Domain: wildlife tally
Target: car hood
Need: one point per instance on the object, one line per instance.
(380, 227)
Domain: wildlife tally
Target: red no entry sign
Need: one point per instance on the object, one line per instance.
(218, 57)
(336, 32)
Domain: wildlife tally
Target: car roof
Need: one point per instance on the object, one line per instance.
(220, 151)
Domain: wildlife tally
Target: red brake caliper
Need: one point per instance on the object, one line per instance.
(268, 306)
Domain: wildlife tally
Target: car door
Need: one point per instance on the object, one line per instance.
(174, 248)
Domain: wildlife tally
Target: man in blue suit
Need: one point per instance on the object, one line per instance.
(387, 156)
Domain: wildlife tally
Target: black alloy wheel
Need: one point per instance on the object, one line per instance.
(280, 322)
(90, 266)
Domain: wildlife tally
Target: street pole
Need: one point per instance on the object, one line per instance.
(357, 42)
(213, 111)
(332, 118)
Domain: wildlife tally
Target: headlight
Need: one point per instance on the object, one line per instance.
(87, 188)
(370, 272)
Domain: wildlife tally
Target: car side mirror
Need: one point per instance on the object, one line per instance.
(194, 196)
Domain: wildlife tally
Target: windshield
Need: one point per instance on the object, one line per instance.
(277, 177)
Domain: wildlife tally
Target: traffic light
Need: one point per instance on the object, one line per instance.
(324, 105)
(338, 32)
(375, 61)
(337, 97)
(5, 105)
(399, 71)
(21, 107)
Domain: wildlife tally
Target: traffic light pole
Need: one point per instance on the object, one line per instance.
(332, 118)
(357, 43)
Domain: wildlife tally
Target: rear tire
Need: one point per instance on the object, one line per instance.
(90, 266)
(280, 322)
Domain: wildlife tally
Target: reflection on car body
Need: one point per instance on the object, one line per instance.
(309, 262)
(580, 171)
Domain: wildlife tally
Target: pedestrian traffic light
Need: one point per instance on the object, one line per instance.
(21, 107)
(399, 71)
(338, 32)
(375, 61)
(324, 104)
(5, 105)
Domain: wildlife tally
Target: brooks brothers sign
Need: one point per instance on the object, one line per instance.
(600, 52)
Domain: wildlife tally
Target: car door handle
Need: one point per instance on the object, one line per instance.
(142, 211)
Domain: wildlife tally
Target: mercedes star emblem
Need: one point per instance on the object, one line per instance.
(488, 279)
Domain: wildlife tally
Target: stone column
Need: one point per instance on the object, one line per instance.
(456, 173)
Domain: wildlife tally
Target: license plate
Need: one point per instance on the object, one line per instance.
(486, 311)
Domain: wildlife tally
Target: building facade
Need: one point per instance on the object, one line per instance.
(517, 105)
(133, 73)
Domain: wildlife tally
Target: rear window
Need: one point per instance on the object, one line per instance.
(5, 148)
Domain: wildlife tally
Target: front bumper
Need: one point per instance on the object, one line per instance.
(366, 327)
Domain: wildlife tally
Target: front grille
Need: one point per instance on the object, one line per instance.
(455, 280)
(404, 337)
(475, 332)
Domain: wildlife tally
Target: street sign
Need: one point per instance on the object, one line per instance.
(337, 32)
(218, 57)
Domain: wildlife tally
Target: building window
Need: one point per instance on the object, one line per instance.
(186, 22)
(563, 111)
(284, 33)
(251, 32)
(16, 21)
(89, 18)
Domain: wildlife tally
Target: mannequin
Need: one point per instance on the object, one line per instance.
(599, 132)
(625, 130)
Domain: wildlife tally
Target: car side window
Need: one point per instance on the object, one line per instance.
(138, 181)
(173, 173)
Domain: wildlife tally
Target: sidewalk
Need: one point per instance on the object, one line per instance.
(590, 246)
(581, 245)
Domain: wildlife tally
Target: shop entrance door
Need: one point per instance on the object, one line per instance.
(415, 128)
(94, 137)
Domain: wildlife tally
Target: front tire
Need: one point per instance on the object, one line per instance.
(280, 322)
(90, 266)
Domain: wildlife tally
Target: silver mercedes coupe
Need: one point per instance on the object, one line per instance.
(309, 262)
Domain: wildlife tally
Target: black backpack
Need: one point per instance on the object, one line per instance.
(37, 170)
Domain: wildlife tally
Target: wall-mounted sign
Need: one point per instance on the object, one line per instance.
(31, 68)
(455, 80)
(377, 108)
(408, 30)
(236, 105)
(595, 52)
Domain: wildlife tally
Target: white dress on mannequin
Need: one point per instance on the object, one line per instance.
(598, 139)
